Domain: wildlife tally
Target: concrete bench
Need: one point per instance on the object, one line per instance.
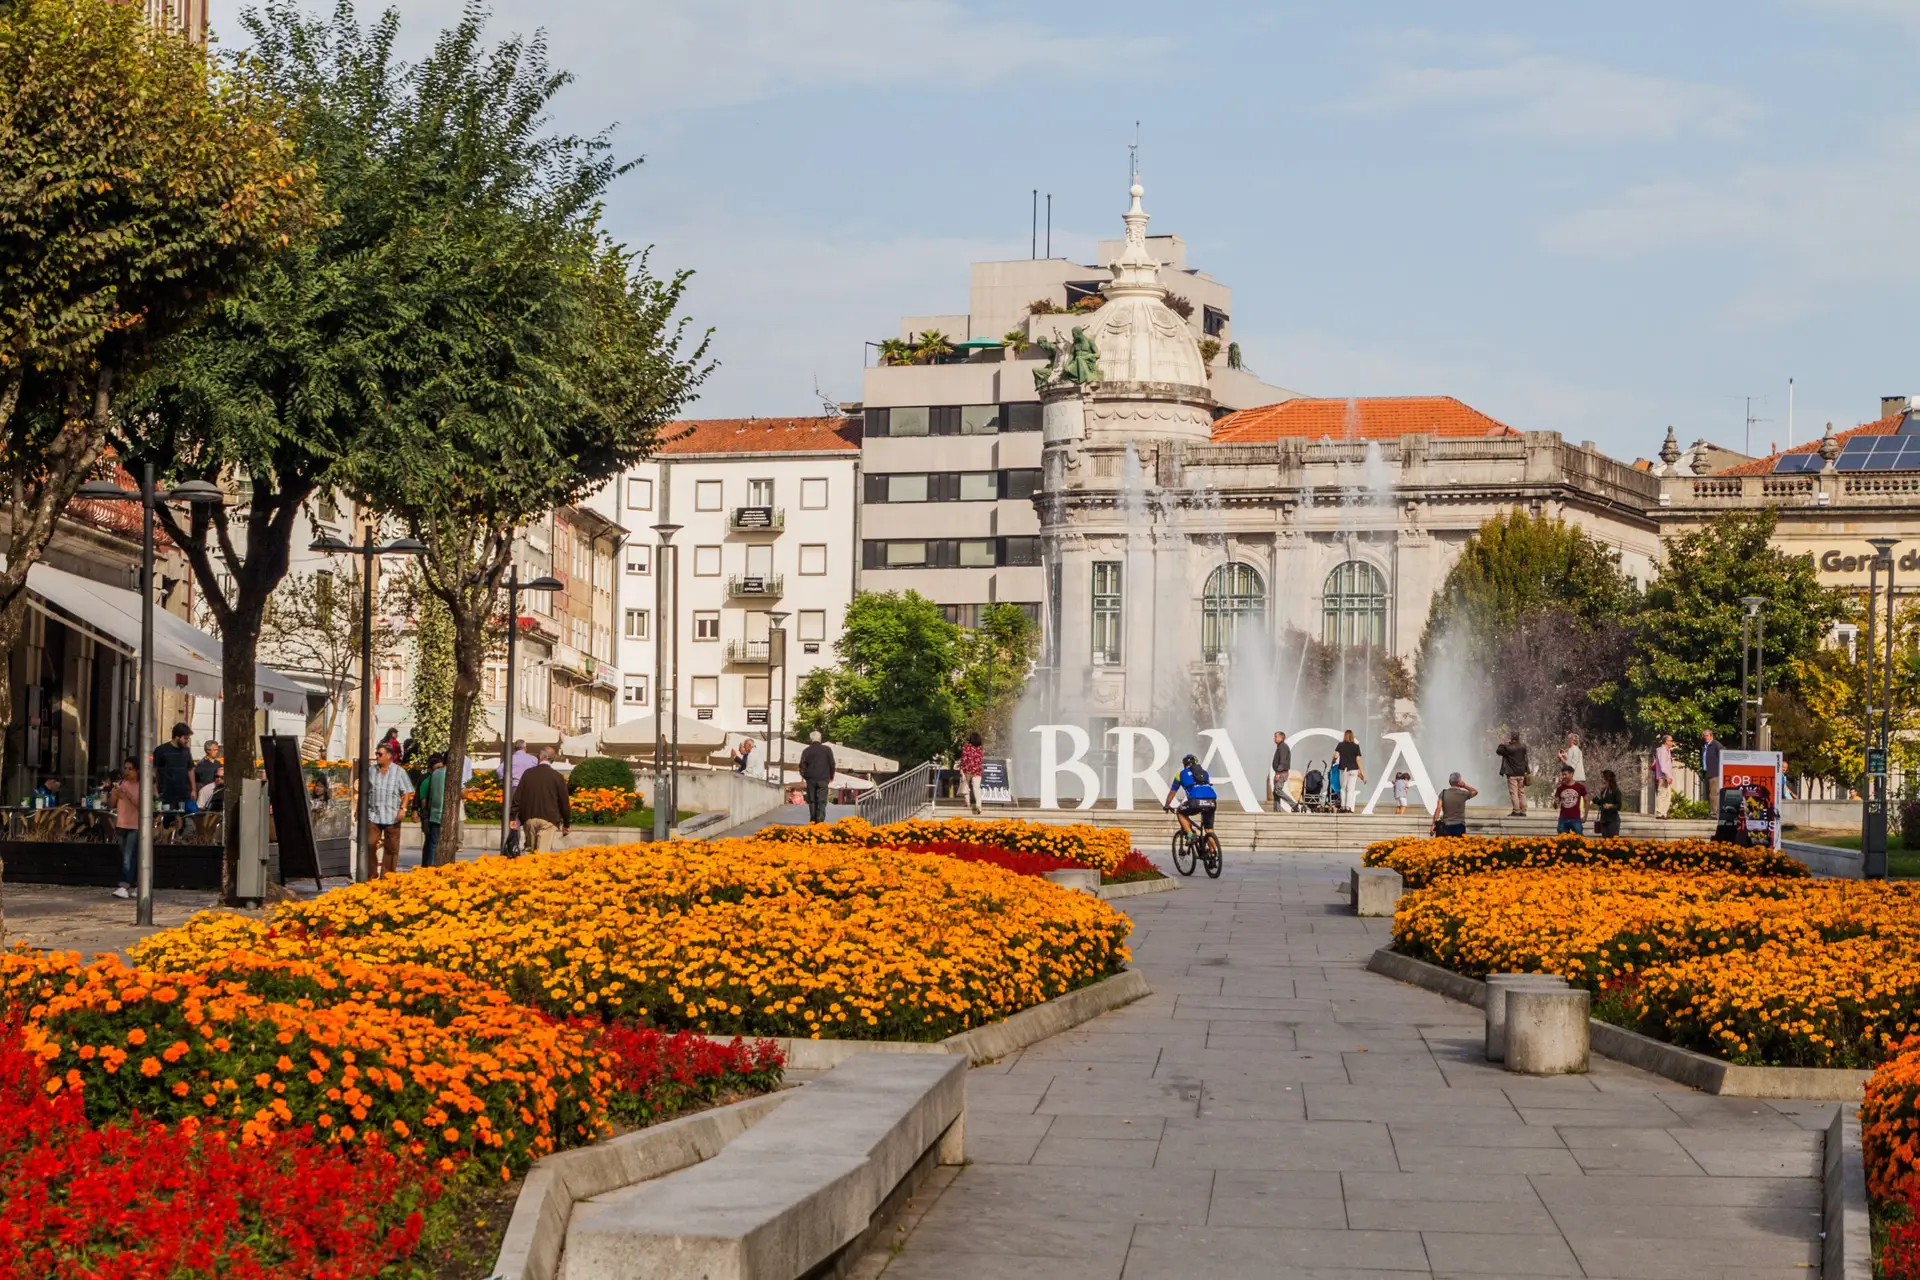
(1375, 890)
(1074, 878)
(791, 1192)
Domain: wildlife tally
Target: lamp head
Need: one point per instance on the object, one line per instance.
(778, 617)
(404, 547)
(329, 543)
(198, 492)
(105, 491)
(666, 531)
(546, 582)
(1753, 604)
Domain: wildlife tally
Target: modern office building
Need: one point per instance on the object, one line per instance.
(950, 447)
(768, 518)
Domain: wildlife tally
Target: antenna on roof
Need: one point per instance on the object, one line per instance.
(1133, 156)
(831, 405)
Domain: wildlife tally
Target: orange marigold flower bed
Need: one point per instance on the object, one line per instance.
(1890, 1127)
(734, 937)
(1102, 848)
(1421, 860)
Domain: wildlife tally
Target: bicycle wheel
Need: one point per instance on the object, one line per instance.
(1182, 853)
(1210, 854)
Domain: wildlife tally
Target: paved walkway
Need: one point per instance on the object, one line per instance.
(1275, 1111)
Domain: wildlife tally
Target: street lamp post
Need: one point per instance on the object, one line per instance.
(197, 492)
(1873, 819)
(1753, 659)
(546, 582)
(662, 815)
(331, 544)
(777, 660)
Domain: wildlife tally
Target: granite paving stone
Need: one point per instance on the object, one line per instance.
(1274, 1110)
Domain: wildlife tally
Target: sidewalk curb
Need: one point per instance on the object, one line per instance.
(1696, 1070)
(1135, 888)
(1846, 1228)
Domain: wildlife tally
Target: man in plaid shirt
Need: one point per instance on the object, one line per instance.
(389, 790)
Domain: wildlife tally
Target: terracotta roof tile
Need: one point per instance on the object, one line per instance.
(1764, 466)
(760, 435)
(1365, 418)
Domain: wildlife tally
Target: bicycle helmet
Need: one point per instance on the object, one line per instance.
(1189, 760)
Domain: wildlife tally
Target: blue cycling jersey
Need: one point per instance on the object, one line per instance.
(1195, 790)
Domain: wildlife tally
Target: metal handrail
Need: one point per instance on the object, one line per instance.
(901, 796)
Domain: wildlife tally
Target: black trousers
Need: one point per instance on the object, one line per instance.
(816, 801)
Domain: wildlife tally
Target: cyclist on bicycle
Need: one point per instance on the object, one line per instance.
(1201, 796)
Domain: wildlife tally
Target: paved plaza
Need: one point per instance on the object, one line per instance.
(1276, 1111)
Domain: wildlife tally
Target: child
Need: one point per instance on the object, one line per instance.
(1400, 781)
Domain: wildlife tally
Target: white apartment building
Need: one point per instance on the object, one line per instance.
(950, 450)
(768, 510)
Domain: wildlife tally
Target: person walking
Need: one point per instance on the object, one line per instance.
(973, 760)
(742, 754)
(520, 761)
(389, 791)
(173, 770)
(1710, 770)
(1515, 768)
(1571, 757)
(125, 798)
(1450, 814)
(1570, 797)
(1282, 769)
(1346, 758)
(541, 804)
(430, 803)
(816, 771)
(1663, 777)
(1606, 820)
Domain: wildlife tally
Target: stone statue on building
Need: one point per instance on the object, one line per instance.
(1043, 376)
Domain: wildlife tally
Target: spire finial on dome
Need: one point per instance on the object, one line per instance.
(1135, 272)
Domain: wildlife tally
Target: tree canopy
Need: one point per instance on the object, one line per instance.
(893, 690)
(1684, 676)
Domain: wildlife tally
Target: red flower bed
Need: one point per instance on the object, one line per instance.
(136, 1200)
(657, 1074)
(1135, 866)
(1901, 1258)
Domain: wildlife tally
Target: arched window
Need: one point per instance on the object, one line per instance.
(1354, 606)
(1233, 592)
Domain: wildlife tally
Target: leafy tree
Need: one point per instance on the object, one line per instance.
(312, 624)
(138, 182)
(995, 660)
(1557, 672)
(1518, 564)
(1820, 723)
(545, 358)
(432, 672)
(893, 690)
(1684, 676)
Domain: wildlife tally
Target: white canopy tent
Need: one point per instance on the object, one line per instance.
(632, 737)
(844, 757)
(525, 728)
(184, 657)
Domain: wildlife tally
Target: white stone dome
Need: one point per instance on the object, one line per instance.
(1139, 337)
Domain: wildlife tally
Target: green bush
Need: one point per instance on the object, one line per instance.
(601, 771)
(1687, 807)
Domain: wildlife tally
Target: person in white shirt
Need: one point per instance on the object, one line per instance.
(1573, 759)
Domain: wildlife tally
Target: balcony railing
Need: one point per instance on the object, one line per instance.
(767, 586)
(757, 519)
(750, 652)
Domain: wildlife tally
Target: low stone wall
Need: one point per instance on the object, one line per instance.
(1846, 1228)
(1135, 888)
(1825, 860)
(1697, 1070)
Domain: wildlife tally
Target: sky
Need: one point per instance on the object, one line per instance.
(1595, 218)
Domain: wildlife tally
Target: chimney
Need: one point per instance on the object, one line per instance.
(1891, 406)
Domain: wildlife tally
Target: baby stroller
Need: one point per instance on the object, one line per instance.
(1314, 797)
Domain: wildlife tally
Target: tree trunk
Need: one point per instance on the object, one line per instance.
(239, 736)
(469, 651)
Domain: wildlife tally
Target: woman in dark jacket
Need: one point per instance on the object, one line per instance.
(1608, 802)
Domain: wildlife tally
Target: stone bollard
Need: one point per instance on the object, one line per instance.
(1549, 1032)
(1375, 891)
(1498, 985)
(1076, 878)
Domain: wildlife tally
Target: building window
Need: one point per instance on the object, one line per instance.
(1353, 608)
(979, 419)
(900, 555)
(1214, 320)
(706, 691)
(1846, 635)
(1022, 551)
(943, 420)
(637, 628)
(813, 494)
(979, 486)
(906, 488)
(329, 507)
(906, 422)
(757, 690)
(759, 493)
(706, 562)
(706, 495)
(392, 680)
(639, 494)
(1024, 416)
(1106, 613)
(639, 558)
(1233, 592)
(813, 558)
(977, 553)
(812, 624)
(636, 691)
(1019, 482)
(706, 625)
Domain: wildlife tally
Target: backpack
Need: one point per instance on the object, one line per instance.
(1199, 775)
(420, 797)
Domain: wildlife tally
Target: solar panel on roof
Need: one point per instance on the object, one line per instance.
(1909, 423)
(1795, 463)
(1859, 444)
